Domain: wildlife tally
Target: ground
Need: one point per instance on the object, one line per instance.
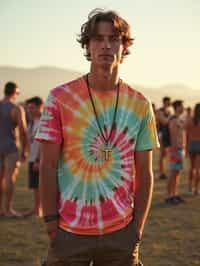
(171, 236)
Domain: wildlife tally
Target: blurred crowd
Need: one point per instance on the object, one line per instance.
(18, 126)
(178, 128)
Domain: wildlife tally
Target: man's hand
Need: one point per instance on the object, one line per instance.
(36, 166)
(52, 228)
(23, 156)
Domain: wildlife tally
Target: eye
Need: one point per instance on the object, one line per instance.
(114, 38)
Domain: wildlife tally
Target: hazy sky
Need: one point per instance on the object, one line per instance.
(167, 37)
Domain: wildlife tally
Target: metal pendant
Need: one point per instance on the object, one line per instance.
(106, 154)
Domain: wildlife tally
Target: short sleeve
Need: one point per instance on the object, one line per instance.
(50, 128)
(147, 138)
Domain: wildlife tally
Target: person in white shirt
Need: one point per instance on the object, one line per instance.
(34, 107)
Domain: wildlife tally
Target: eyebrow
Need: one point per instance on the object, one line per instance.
(111, 35)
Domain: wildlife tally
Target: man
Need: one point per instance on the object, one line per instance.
(96, 137)
(34, 108)
(177, 148)
(12, 117)
(163, 116)
(193, 150)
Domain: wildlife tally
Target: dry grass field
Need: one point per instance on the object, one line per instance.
(171, 238)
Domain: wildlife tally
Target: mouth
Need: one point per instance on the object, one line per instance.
(106, 56)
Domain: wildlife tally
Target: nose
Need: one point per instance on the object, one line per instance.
(106, 44)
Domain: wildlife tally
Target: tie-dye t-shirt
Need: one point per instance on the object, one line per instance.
(96, 196)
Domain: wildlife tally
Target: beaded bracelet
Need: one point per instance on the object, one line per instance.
(50, 218)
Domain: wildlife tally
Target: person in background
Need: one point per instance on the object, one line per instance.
(163, 118)
(177, 149)
(156, 114)
(12, 118)
(97, 135)
(193, 147)
(188, 113)
(34, 107)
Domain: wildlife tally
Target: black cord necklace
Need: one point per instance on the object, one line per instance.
(106, 151)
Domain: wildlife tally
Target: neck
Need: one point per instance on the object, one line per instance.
(166, 108)
(103, 80)
(8, 99)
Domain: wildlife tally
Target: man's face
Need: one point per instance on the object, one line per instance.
(33, 109)
(167, 103)
(106, 46)
(16, 93)
(180, 109)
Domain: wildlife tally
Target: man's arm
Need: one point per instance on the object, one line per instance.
(173, 133)
(20, 119)
(49, 156)
(143, 189)
(187, 131)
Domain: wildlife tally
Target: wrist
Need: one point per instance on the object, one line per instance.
(24, 153)
(52, 228)
(137, 234)
(138, 237)
(50, 217)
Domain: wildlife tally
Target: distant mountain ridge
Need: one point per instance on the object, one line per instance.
(38, 81)
(35, 81)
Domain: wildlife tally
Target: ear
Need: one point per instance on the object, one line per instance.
(125, 49)
(87, 52)
(87, 49)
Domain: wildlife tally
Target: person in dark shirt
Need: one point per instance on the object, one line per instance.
(163, 117)
(12, 117)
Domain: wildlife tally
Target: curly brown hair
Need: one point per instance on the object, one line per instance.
(121, 27)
